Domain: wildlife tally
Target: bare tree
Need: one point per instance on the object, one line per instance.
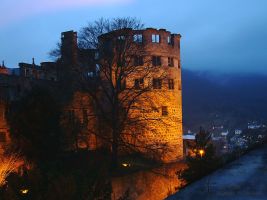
(124, 79)
(8, 165)
(119, 82)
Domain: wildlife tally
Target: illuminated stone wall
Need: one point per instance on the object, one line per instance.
(154, 184)
(80, 121)
(161, 129)
(4, 130)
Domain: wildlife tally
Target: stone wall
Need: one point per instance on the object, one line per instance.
(162, 129)
(154, 184)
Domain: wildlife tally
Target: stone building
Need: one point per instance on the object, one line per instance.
(156, 57)
(157, 49)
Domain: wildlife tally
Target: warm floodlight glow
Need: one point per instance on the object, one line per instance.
(24, 191)
(201, 152)
(125, 164)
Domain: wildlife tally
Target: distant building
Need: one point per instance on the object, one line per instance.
(189, 140)
(238, 131)
(254, 125)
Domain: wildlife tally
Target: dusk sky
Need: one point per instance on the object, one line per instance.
(221, 36)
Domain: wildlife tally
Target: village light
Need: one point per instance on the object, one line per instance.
(201, 152)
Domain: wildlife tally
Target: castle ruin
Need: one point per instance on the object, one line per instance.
(158, 50)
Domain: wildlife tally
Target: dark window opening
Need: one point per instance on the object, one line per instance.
(169, 41)
(121, 37)
(138, 61)
(85, 117)
(170, 62)
(71, 116)
(138, 83)
(164, 110)
(2, 137)
(171, 84)
(157, 83)
(156, 60)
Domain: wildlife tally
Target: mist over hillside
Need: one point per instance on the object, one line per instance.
(231, 100)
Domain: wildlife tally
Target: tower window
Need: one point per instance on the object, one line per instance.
(164, 110)
(121, 37)
(157, 83)
(2, 137)
(169, 40)
(122, 85)
(138, 38)
(171, 84)
(71, 116)
(138, 83)
(85, 117)
(96, 55)
(155, 38)
(170, 62)
(138, 61)
(156, 60)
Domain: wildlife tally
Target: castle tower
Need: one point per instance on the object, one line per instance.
(157, 57)
(69, 48)
(162, 50)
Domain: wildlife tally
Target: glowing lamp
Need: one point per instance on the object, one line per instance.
(201, 152)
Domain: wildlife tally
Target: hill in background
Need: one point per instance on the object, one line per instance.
(214, 99)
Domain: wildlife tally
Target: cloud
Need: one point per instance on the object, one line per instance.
(13, 10)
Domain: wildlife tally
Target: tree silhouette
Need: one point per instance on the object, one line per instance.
(202, 161)
(119, 97)
(119, 83)
(34, 125)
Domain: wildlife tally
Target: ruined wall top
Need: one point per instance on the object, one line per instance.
(151, 41)
(146, 36)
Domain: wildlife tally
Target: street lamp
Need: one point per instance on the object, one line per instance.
(201, 152)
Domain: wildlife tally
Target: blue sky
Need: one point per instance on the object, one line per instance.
(220, 36)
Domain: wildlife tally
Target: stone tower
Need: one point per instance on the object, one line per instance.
(161, 106)
(162, 50)
(69, 48)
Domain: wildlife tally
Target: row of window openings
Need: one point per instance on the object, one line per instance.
(156, 83)
(156, 61)
(164, 110)
(138, 38)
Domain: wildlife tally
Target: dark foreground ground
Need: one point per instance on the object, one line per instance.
(243, 179)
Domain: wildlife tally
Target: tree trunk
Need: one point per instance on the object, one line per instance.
(114, 153)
